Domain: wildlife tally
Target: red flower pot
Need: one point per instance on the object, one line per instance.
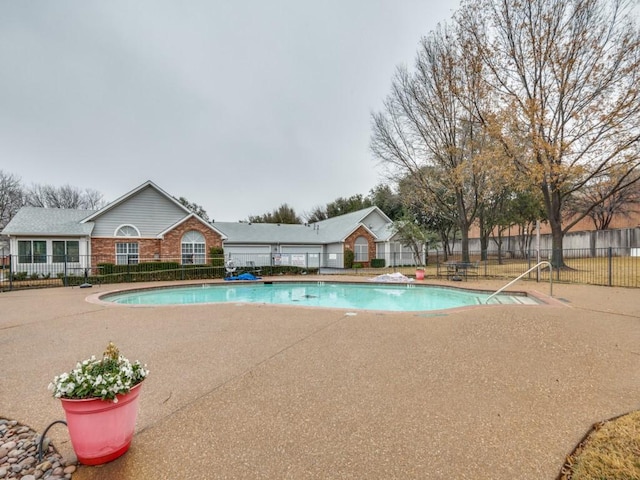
(101, 430)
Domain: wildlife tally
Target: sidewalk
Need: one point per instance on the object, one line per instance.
(261, 392)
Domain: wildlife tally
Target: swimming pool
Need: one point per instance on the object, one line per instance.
(359, 296)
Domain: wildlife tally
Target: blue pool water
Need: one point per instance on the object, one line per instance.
(396, 298)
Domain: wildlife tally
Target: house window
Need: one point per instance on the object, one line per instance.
(193, 248)
(127, 231)
(32, 251)
(65, 251)
(361, 250)
(126, 253)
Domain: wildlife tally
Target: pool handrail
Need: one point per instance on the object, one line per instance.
(537, 265)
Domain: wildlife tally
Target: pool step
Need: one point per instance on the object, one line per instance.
(513, 299)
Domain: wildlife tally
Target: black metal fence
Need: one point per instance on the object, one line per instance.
(609, 266)
(614, 267)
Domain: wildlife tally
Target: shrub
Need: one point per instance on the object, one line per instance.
(111, 269)
(19, 276)
(217, 256)
(378, 263)
(348, 258)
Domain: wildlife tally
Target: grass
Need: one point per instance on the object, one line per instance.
(622, 272)
(611, 450)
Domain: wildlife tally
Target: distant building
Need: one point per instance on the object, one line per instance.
(147, 224)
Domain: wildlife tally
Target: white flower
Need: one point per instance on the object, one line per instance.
(104, 378)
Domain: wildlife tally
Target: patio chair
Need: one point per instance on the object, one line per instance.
(252, 268)
(230, 269)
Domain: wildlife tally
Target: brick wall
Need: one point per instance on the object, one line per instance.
(103, 250)
(168, 248)
(171, 244)
(361, 232)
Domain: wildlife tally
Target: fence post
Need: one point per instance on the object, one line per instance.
(610, 264)
(65, 280)
(10, 272)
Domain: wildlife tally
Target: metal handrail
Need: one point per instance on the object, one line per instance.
(537, 265)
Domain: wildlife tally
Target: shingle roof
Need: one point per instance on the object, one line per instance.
(343, 225)
(35, 221)
(332, 230)
(272, 233)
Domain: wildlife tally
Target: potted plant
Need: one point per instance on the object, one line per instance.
(100, 400)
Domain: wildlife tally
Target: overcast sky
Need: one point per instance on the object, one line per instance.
(240, 106)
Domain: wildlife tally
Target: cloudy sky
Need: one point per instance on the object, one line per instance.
(240, 106)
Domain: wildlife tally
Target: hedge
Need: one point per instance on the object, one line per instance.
(378, 262)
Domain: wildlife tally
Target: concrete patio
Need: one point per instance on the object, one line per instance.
(267, 392)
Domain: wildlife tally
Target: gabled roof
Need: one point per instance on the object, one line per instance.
(345, 225)
(133, 192)
(332, 230)
(353, 218)
(182, 220)
(34, 221)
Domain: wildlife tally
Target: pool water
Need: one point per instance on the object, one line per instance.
(396, 298)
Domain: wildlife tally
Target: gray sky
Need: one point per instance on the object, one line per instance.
(239, 106)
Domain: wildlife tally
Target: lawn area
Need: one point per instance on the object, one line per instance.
(616, 272)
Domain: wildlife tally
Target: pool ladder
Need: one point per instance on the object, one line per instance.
(537, 265)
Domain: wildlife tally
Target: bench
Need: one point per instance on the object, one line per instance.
(459, 270)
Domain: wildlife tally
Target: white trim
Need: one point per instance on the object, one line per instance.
(351, 232)
(115, 233)
(126, 196)
(184, 219)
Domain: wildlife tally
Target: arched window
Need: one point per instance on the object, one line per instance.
(127, 252)
(193, 248)
(361, 250)
(127, 231)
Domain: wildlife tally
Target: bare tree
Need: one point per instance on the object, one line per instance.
(430, 120)
(567, 72)
(195, 208)
(603, 206)
(11, 197)
(317, 214)
(93, 199)
(66, 196)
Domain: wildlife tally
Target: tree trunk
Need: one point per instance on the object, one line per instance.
(464, 244)
(484, 246)
(555, 222)
(557, 257)
(484, 238)
(499, 244)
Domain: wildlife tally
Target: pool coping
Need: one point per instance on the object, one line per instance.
(97, 298)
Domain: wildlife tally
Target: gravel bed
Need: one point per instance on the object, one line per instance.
(19, 455)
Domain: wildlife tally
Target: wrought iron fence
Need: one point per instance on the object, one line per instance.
(618, 267)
